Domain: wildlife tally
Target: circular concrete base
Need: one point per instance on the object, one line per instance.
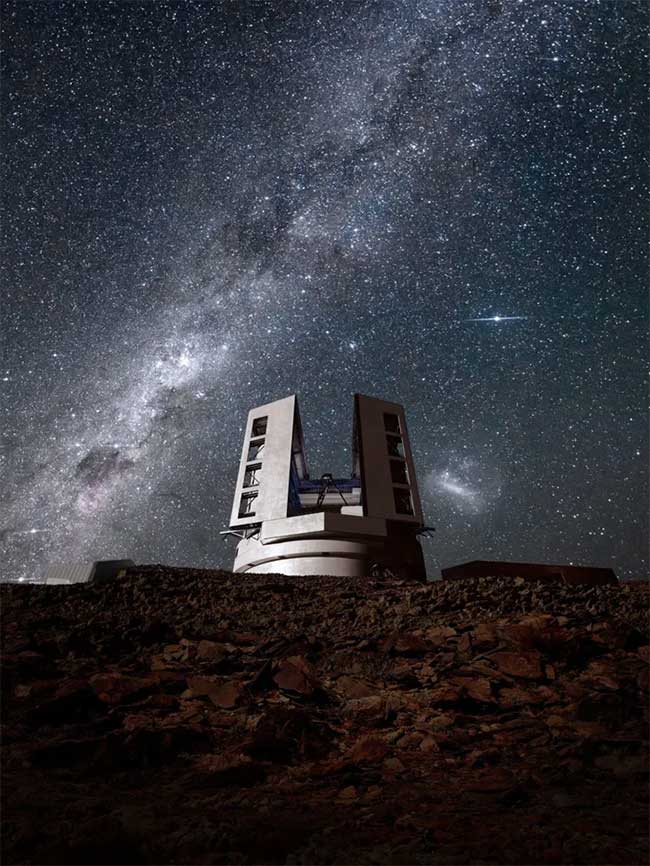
(331, 556)
(307, 556)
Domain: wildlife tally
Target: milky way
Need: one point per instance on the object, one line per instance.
(209, 206)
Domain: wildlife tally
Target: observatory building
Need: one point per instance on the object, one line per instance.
(290, 524)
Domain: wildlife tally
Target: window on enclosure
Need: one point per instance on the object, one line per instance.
(247, 505)
(255, 449)
(395, 446)
(252, 475)
(403, 504)
(259, 426)
(398, 472)
(391, 423)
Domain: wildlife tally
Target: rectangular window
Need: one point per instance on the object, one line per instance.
(403, 504)
(255, 449)
(259, 426)
(391, 423)
(252, 475)
(247, 505)
(395, 446)
(398, 472)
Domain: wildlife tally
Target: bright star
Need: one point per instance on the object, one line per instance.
(499, 319)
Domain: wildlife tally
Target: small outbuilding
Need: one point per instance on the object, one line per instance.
(86, 572)
(574, 574)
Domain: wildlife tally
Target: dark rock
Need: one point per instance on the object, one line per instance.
(115, 688)
(368, 750)
(478, 689)
(210, 651)
(491, 780)
(373, 711)
(223, 770)
(178, 715)
(523, 665)
(74, 700)
(227, 695)
(282, 734)
(353, 688)
(294, 674)
(406, 644)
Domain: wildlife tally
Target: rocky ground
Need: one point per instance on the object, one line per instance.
(193, 717)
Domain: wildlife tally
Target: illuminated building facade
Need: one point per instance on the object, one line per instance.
(289, 524)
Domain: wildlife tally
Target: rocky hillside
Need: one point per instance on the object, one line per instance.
(194, 717)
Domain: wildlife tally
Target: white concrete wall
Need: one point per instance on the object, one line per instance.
(320, 524)
(273, 489)
(70, 572)
(377, 484)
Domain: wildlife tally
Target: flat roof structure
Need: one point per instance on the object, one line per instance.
(573, 574)
(86, 572)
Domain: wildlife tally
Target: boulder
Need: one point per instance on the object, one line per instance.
(294, 674)
(523, 665)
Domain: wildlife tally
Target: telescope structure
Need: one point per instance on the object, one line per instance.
(366, 524)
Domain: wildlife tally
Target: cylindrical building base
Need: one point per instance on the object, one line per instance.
(331, 556)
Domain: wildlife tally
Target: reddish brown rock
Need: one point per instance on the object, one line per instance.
(347, 794)
(295, 675)
(225, 770)
(369, 750)
(441, 722)
(518, 697)
(201, 685)
(177, 652)
(23, 691)
(224, 694)
(447, 692)
(644, 653)
(438, 635)
(372, 711)
(406, 644)
(352, 688)
(524, 665)
(600, 674)
(393, 766)
(410, 740)
(227, 695)
(477, 689)
(484, 637)
(521, 635)
(162, 702)
(260, 719)
(114, 688)
(137, 722)
(210, 651)
(491, 780)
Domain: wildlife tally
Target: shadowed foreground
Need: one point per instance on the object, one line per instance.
(183, 716)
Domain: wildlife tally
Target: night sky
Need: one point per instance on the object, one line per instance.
(208, 206)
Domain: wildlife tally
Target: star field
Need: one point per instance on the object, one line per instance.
(210, 205)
